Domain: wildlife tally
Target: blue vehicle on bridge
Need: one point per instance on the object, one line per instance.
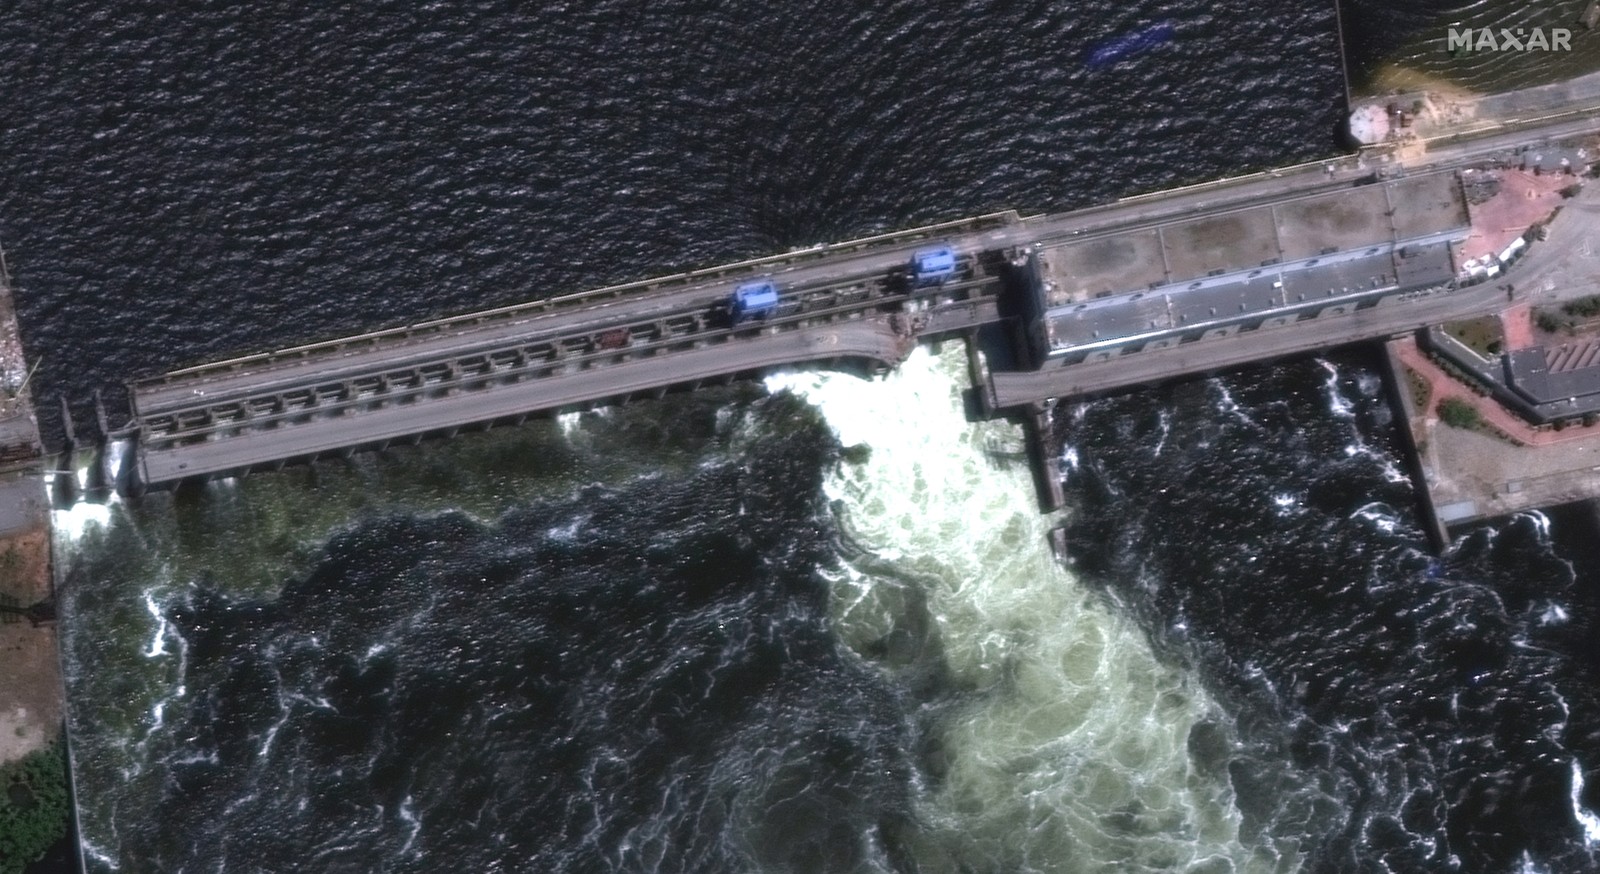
(933, 266)
(752, 300)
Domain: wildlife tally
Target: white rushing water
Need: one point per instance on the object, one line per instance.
(1071, 752)
(1587, 820)
(71, 523)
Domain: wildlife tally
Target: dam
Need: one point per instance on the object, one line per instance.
(1083, 304)
(1071, 305)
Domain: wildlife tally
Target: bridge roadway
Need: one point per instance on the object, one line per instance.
(336, 360)
(558, 333)
(233, 415)
(868, 338)
(694, 291)
(587, 312)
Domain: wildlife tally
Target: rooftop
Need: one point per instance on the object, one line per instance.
(1239, 240)
(1249, 262)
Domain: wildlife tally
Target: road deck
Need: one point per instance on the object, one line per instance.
(861, 339)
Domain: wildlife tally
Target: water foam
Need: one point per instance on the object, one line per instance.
(158, 641)
(1073, 751)
(72, 523)
(1586, 818)
(1338, 404)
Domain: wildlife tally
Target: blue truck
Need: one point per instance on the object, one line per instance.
(933, 266)
(752, 300)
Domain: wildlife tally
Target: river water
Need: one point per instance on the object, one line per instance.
(1407, 47)
(808, 625)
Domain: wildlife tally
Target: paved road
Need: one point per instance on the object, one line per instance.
(395, 353)
(869, 339)
(387, 354)
(398, 353)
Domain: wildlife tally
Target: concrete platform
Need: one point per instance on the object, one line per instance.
(1110, 264)
(1230, 241)
(23, 503)
(1427, 204)
(1237, 269)
(1473, 476)
(1350, 220)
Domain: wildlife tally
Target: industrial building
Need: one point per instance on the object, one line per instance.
(1261, 266)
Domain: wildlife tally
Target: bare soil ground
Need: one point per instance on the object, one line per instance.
(30, 674)
(1523, 199)
(1517, 323)
(1484, 335)
(1392, 78)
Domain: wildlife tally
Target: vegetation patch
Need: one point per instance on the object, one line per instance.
(1569, 317)
(1482, 335)
(1583, 307)
(33, 806)
(1421, 389)
(1458, 413)
(1553, 322)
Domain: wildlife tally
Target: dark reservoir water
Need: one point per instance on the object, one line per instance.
(188, 182)
(1406, 46)
(693, 636)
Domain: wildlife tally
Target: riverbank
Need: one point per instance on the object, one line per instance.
(33, 809)
(1479, 458)
(32, 699)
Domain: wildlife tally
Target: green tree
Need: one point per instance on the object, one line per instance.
(33, 806)
(1457, 413)
(1583, 307)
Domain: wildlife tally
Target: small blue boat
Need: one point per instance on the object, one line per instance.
(1130, 44)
